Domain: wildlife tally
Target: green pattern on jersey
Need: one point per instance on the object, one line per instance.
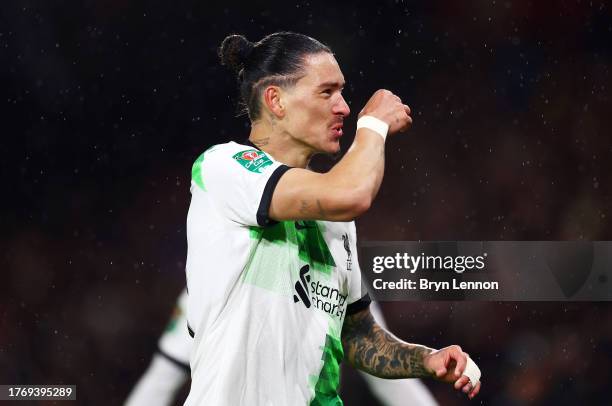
(196, 172)
(326, 386)
(288, 245)
(196, 169)
(176, 314)
(283, 246)
(313, 249)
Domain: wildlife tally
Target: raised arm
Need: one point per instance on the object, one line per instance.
(348, 189)
(370, 348)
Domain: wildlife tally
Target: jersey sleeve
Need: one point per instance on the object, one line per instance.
(358, 298)
(239, 180)
(175, 343)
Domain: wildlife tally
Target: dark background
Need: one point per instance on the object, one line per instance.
(105, 106)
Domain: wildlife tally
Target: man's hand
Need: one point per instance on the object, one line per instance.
(447, 365)
(389, 108)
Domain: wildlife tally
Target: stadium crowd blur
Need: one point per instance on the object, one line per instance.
(105, 106)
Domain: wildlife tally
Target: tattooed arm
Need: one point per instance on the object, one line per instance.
(372, 349)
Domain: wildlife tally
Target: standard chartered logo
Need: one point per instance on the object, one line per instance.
(319, 295)
(301, 287)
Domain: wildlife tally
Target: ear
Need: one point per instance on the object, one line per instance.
(273, 98)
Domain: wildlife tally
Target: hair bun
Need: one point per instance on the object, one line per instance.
(234, 51)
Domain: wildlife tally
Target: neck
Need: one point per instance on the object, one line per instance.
(280, 144)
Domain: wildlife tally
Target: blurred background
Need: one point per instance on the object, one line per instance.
(105, 106)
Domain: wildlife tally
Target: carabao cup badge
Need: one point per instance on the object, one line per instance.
(253, 160)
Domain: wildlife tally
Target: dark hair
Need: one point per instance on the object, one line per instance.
(278, 59)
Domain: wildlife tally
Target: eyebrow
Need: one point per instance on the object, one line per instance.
(332, 84)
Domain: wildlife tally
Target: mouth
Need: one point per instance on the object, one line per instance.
(336, 130)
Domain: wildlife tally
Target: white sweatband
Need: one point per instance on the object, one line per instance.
(472, 371)
(374, 124)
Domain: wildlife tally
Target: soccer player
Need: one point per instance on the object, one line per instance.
(169, 370)
(274, 288)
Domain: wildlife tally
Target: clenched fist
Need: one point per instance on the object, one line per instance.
(448, 365)
(389, 108)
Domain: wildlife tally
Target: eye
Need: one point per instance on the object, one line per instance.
(327, 92)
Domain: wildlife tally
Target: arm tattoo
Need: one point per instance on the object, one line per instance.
(370, 348)
(304, 206)
(321, 211)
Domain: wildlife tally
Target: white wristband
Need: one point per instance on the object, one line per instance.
(374, 124)
(472, 371)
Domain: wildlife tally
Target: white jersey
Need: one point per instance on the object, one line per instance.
(169, 369)
(266, 300)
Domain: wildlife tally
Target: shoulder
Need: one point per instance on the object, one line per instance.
(248, 157)
(230, 161)
(221, 150)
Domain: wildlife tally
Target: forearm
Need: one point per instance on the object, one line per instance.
(349, 188)
(362, 167)
(341, 194)
(370, 348)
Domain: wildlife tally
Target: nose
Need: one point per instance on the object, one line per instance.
(341, 107)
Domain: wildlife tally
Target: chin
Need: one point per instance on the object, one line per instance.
(330, 146)
(333, 147)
